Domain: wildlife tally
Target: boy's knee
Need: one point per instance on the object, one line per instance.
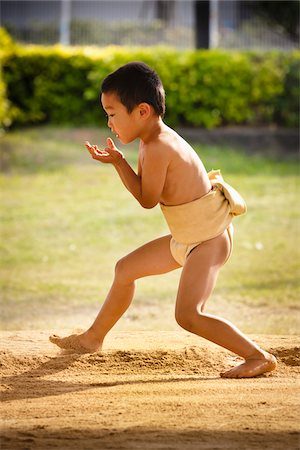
(122, 272)
(186, 318)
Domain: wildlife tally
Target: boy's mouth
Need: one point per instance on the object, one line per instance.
(116, 134)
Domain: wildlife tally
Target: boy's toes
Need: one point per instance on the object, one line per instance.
(252, 368)
(71, 342)
(54, 338)
(58, 340)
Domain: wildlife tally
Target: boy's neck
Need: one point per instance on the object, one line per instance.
(153, 129)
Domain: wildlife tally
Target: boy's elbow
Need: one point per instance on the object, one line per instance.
(148, 204)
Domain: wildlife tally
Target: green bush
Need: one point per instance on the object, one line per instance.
(7, 47)
(287, 104)
(204, 88)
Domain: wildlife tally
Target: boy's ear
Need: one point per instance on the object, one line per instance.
(145, 110)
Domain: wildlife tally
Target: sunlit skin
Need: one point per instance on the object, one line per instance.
(169, 172)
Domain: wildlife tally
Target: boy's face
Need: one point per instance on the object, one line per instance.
(121, 123)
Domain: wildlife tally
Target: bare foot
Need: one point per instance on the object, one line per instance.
(252, 367)
(80, 343)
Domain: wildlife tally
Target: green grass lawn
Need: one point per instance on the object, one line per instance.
(67, 219)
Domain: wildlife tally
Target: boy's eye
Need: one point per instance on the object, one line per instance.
(110, 115)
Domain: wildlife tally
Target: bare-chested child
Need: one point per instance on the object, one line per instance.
(198, 208)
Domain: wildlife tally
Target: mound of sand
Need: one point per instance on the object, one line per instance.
(145, 391)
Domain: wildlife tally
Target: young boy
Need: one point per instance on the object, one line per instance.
(198, 208)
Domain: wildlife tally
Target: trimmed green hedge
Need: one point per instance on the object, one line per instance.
(204, 88)
(6, 110)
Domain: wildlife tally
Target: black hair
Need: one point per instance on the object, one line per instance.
(135, 83)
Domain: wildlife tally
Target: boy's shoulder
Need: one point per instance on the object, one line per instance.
(156, 150)
(162, 149)
(165, 147)
(167, 141)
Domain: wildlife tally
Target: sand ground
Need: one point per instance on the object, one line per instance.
(145, 391)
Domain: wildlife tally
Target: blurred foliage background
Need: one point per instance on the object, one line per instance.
(66, 219)
(206, 88)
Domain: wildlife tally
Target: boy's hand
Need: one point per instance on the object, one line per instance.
(109, 155)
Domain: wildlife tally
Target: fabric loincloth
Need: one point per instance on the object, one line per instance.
(203, 219)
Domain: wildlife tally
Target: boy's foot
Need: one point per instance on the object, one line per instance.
(80, 343)
(252, 367)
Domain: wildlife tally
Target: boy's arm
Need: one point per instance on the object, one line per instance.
(130, 179)
(147, 186)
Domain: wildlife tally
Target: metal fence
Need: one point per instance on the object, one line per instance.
(232, 24)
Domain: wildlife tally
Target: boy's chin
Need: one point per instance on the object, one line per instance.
(125, 141)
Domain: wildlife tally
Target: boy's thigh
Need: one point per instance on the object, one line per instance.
(153, 258)
(200, 272)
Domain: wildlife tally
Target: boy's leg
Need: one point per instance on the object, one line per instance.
(153, 258)
(197, 281)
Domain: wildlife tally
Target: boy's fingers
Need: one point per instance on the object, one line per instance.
(93, 151)
(96, 152)
(90, 146)
(111, 144)
(96, 149)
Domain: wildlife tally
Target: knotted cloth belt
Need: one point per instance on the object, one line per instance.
(206, 217)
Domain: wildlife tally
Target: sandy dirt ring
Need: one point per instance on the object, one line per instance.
(145, 391)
